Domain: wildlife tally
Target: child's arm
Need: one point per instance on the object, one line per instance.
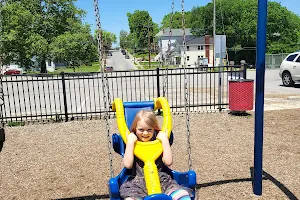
(129, 156)
(167, 153)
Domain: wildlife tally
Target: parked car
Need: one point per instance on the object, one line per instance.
(12, 72)
(109, 69)
(126, 56)
(290, 69)
(12, 69)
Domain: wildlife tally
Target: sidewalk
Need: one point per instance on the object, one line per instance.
(281, 102)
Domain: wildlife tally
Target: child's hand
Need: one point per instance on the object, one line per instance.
(162, 135)
(131, 137)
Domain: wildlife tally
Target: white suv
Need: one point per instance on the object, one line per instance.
(290, 69)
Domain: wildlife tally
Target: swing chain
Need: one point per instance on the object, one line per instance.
(170, 30)
(104, 85)
(169, 49)
(186, 89)
(165, 82)
(1, 101)
(1, 67)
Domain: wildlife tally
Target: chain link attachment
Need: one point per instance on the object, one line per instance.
(105, 84)
(170, 33)
(168, 54)
(187, 105)
(1, 69)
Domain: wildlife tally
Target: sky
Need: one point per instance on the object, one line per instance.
(113, 12)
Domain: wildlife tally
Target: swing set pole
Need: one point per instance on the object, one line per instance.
(259, 103)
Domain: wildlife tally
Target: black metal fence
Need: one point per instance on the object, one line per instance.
(70, 96)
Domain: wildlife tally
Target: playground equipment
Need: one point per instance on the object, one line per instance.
(259, 103)
(150, 170)
(148, 152)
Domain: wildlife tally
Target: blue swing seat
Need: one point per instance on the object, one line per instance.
(187, 179)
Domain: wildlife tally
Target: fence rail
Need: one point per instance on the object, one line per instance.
(70, 96)
(275, 60)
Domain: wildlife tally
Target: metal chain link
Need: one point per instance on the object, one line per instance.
(169, 49)
(165, 82)
(170, 30)
(161, 52)
(1, 76)
(104, 85)
(1, 102)
(187, 106)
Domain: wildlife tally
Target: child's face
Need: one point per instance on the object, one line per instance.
(144, 132)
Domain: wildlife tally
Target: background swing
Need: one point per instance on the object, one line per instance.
(125, 113)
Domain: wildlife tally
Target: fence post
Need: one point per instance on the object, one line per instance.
(64, 95)
(157, 85)
(2, 132)
(157, 82)
(220, 85)
(244, 67)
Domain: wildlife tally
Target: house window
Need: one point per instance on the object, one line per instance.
(187, 58)
(198, 57)
(187, 48)
(201, 56)
(200, 47)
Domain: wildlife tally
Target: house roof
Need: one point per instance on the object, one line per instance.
(194, 40)
(175, 32)
(199, 40)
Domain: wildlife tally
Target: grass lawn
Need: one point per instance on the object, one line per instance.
(91, 68)
(94, 68)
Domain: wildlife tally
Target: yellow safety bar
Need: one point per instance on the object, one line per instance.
(148, 152)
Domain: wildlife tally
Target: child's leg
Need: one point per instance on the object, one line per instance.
(180, 194)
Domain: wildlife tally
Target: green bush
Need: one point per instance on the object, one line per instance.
(13, 123)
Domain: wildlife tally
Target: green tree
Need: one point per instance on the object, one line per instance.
(176, 20)
(28, 24)
(283, 29)
(108, 38)
(141, 28)
(237, 19)
(74, 48)
(123, 38)
(16, 29)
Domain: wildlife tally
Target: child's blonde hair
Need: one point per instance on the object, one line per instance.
(149, 117)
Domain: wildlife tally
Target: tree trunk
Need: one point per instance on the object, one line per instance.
(43, 66)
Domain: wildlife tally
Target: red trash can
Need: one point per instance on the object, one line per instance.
(241, 94)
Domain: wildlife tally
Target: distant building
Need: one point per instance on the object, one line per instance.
(198, 49)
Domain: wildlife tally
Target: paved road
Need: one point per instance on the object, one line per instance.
(273, 83)
(118, 62)
(277, 96)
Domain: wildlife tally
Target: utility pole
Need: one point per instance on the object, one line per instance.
(214, 32)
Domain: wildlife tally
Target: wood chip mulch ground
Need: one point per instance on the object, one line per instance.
(67, 160)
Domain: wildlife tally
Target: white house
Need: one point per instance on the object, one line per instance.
(198, 49)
